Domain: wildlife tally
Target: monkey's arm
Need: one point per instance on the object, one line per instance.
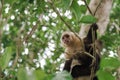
(92, 33)
(90, 38)
(67, 65)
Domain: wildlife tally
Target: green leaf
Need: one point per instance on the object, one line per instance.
(82, 9)
(22, 75)
(10, 2)
(110, 63)
(104, 75)
(88, 19)
(40, 75)
(76, 9)
(66, 3)
(5, 58)
(62, 76)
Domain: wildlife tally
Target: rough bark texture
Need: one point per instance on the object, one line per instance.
(101, 10)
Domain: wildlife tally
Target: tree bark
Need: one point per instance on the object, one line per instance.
(101, 10)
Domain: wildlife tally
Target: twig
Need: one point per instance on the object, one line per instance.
(118, 51)
(1, 24)
(18, 46)
(88, 7)
(31, 32)
(68, 25)
(94, 54)
(18, 43)
(2, 2)
(97, 7)
(90, 55)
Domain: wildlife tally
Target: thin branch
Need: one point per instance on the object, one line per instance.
(88, 7)
(90, 55)
(31, 32)
(94, 54)
(16, 59)
(1, 6)
(97, 7)
(1, 22)
(118, 51)
(67, 25)
(18, 47)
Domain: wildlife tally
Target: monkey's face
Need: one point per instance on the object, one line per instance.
(67, 39)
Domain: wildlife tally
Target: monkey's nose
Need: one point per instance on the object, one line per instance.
(66, 41)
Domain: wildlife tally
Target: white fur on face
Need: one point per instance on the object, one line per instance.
(69, 38)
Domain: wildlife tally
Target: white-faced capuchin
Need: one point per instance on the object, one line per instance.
(71, 43)
(79, 64)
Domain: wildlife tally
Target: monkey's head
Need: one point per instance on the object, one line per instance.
(69, 39)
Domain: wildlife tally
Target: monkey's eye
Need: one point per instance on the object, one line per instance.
(62, 37)
(67, 36)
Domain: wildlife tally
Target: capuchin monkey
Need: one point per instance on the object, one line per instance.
(79, 64)
(83, 71)
(71, 43)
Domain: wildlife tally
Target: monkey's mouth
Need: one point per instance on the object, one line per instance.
(66, 42)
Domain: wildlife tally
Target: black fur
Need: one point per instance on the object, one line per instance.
(67, 65)
(84, 69)
(85, 60)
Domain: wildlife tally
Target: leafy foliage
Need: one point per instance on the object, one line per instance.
(30, 33)
(88, 19)
(107, 68)
(110, 63)
(62, 76)
(104, 75)
(6, 57)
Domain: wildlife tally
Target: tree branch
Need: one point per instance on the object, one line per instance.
(97, 7)
(88, 7)
(1, 7)
(90, 55)
(67, 25)
(31, 32)
(18, 46)
(56, 11)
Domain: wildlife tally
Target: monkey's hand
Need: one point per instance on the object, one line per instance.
(94, 26)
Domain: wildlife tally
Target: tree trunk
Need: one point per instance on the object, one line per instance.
(101, 10)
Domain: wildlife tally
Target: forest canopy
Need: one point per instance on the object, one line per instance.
(30, 31)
